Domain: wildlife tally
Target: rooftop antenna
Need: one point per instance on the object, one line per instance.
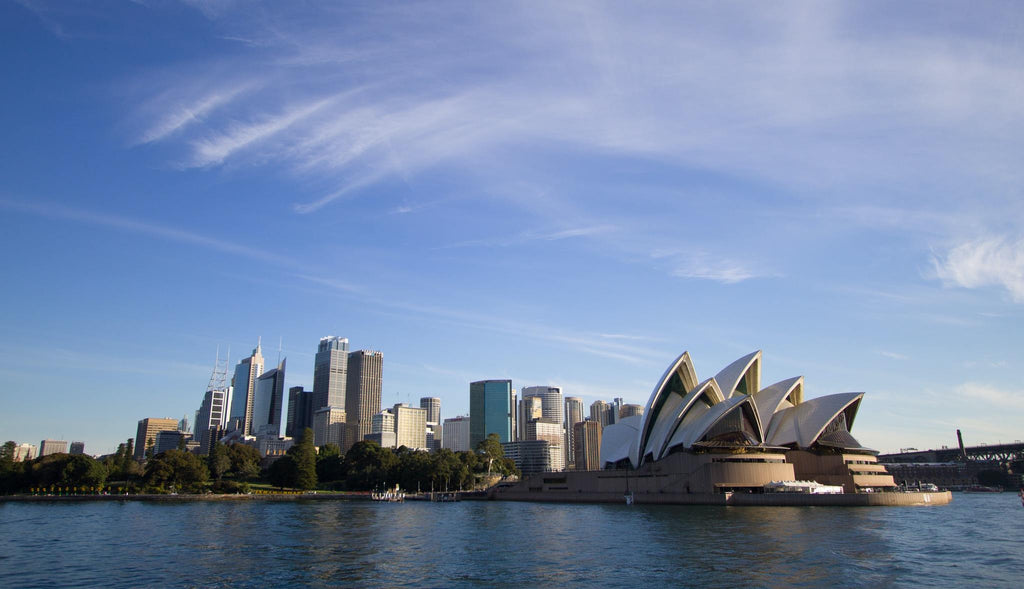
(219, 377)
(280, 344)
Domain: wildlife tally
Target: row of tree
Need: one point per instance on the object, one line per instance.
(366, 466)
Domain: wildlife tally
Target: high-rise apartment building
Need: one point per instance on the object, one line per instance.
(145, 436)
(455, 436)
(47, 447)
(629, 410)
(552, 432)
(433, 407)
(587, 437)
(243, 391)
(599, 412)
(300, 411)
(410, 427)
(330, 372)
(268, 395)
(490, 410)
(363, 391)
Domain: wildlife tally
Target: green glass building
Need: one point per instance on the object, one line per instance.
(490, 410)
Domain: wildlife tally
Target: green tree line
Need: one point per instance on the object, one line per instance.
(230, 469)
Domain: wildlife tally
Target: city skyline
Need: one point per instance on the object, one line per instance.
(557, 195)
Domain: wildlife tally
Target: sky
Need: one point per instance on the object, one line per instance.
(559, 193)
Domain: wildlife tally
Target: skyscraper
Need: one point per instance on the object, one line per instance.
(268, 396)
(330, 370)
(363, 390)
(490, 410)
(300, 411)
(573, 415)
(433, 407)
(246, 373)
(212, 414)
(328, 427)
(77, 448)
(599, 412)
(552, 410)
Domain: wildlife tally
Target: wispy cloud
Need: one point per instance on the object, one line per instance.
(531, 235)
(991, 396)
(697, 263)
(990, 261)
(62, 212)
(894, 355)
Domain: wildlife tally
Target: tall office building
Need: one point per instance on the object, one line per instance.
(244, 388)
(455, 436)
(410, 427)
(329, 427)
(268, 396)
(490, 410)
(363, 391)
(145, 437)
(330, 372)
(300, 411)
(77, 448)
(573, 415)
(587, 436)
(433, 407)
(212, 415)
(47, 447)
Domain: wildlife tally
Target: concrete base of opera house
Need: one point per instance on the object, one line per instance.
(722, 479)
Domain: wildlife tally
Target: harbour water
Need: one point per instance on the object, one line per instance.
(975, 541)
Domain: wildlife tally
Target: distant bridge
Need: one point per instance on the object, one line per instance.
(996, 453)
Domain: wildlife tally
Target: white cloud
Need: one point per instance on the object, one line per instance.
(894, 355)
(985, 262)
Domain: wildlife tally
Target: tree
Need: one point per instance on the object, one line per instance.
(182, 470)
(245, 461)
(305, 461)
(182, 443)
(491, 450)
(367, 466)
(218, 461)
(66, 470)
(282, 473)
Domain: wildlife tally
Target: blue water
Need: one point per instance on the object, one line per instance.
(974, 542)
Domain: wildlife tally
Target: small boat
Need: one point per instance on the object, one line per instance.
(395, 495)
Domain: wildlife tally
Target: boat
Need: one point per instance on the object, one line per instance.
(395, 495)
(983, 489)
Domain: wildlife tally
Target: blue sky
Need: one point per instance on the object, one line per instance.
(558, 193)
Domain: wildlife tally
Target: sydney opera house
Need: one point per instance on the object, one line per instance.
(727, 440)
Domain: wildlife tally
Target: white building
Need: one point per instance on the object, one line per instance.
(410, 427)
(456, 434)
